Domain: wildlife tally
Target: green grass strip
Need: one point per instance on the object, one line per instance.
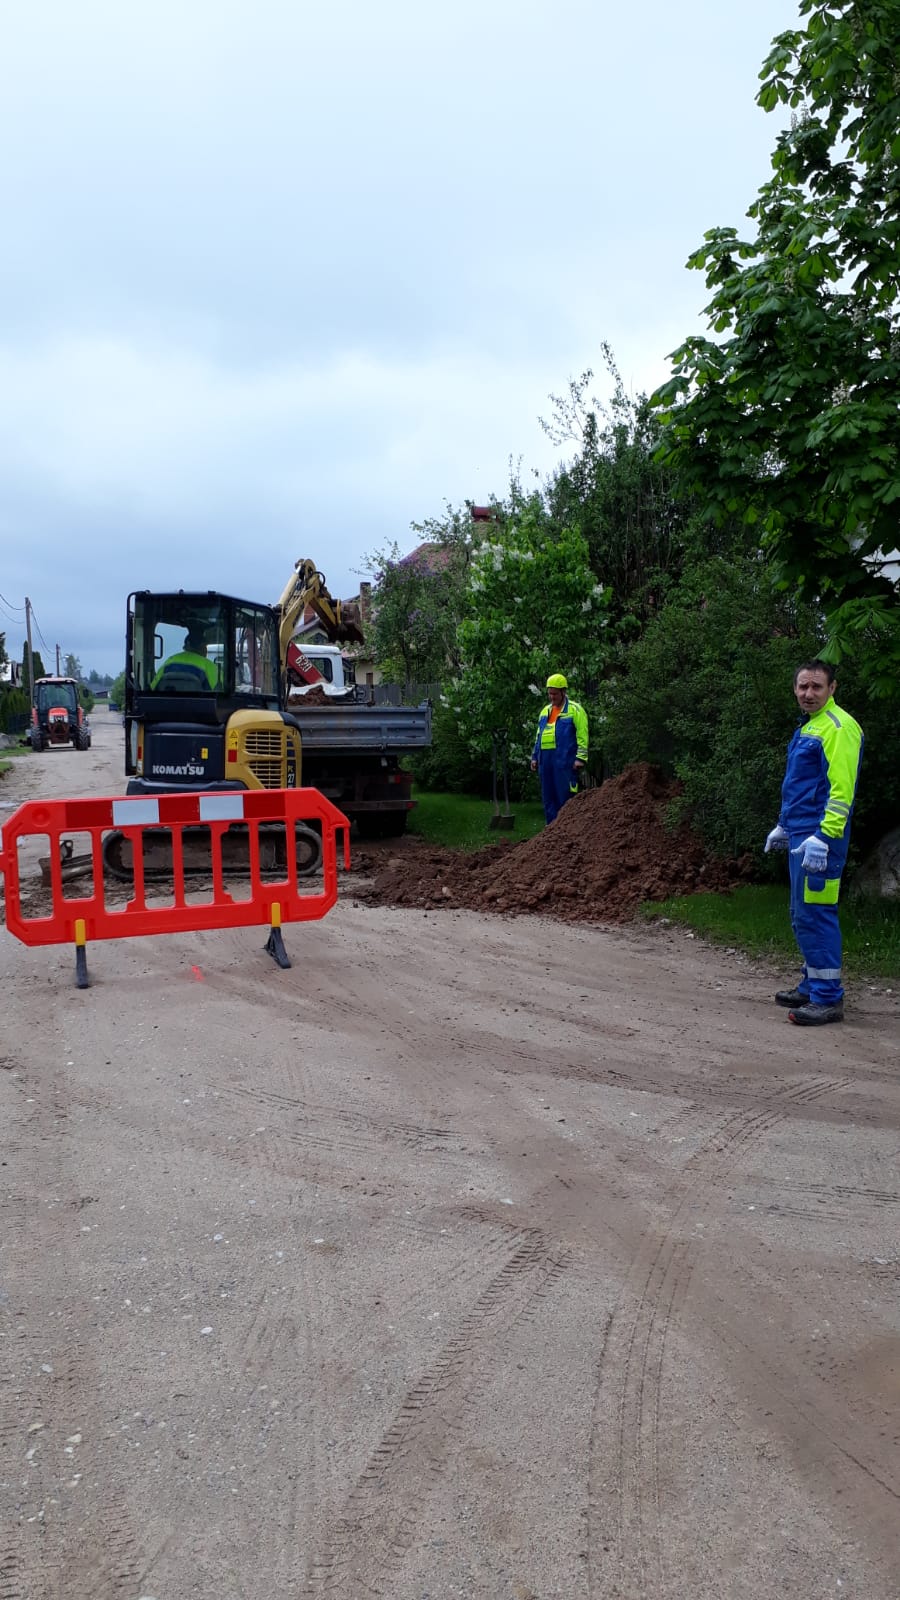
(463, 822)
(756, 919)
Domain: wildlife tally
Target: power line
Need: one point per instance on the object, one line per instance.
(11, 606)
(10, 618)
(38, 626)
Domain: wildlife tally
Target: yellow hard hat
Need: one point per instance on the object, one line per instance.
(557, 681)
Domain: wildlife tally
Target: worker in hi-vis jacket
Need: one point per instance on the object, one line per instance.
(560, 746)
(817, 799)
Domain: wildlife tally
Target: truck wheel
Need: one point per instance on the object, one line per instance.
(37, 739)
(81, 739)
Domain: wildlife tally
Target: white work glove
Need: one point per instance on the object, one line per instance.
(777, 840)
(815, 854)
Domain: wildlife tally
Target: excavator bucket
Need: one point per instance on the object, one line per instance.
(349, 625)
(341, 619)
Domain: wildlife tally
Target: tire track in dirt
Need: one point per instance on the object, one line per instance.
(701, 1089)
(58, 1540)
(372, 1132)
(288, 1152)
(808, 1408)
(375, 1528)
(828, 1202)
(283, 1344)
(268, 1343)
(655, 1291)
(360, 1127)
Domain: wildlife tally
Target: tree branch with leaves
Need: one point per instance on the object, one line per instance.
(790, 417)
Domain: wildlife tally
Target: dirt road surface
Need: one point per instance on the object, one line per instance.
(474, 1256)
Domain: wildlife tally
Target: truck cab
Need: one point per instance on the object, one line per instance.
(320, 666)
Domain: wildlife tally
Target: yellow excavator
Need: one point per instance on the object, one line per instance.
(205, 694)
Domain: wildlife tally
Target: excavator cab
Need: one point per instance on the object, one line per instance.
(203, 711)
(203, 696)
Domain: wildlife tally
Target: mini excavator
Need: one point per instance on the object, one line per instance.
(206, 687)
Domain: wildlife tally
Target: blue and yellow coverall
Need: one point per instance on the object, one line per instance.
(558, 745)
(817, 797)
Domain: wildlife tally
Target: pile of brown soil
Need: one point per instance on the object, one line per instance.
(314, 696)
(608, 849)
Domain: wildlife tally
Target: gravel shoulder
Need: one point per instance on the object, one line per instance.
(475, 1255)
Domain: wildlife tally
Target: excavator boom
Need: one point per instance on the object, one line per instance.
(307, 587)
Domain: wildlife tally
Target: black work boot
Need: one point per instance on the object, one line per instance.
(813, 1016)
(791, 997)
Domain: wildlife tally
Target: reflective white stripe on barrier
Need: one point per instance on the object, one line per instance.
(221, 807)
(134, 813)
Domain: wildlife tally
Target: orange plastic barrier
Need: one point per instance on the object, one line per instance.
(75, 920)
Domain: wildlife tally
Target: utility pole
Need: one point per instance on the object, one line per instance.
(57, 661)
(30, 649)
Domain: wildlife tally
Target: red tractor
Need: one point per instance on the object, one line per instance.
(56, 716)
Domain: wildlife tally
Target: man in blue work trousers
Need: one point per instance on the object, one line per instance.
(560, 746)
(817, 799)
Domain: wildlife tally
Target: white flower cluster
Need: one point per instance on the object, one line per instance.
(800, 118)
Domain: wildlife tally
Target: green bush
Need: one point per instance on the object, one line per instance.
(706, 693)
(117, 692)
(450, 765)
(14, 703)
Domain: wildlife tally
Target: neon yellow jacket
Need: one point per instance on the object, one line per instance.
(821, 776)
(200, 666)
(567, 736)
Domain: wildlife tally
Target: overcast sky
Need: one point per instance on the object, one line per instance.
(279, 279)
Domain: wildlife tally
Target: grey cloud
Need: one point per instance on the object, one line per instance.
(278, 280)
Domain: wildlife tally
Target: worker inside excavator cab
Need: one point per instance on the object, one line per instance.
(192, 669)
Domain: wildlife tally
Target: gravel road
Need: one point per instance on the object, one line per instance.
(472, 1256)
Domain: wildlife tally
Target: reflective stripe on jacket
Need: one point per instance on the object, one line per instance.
(821, 775)
(567, 735)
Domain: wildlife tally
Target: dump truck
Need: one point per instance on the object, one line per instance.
(353, 754)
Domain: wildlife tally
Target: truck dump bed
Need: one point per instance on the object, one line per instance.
(350, 726)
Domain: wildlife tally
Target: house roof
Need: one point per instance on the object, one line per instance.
(429, 558)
